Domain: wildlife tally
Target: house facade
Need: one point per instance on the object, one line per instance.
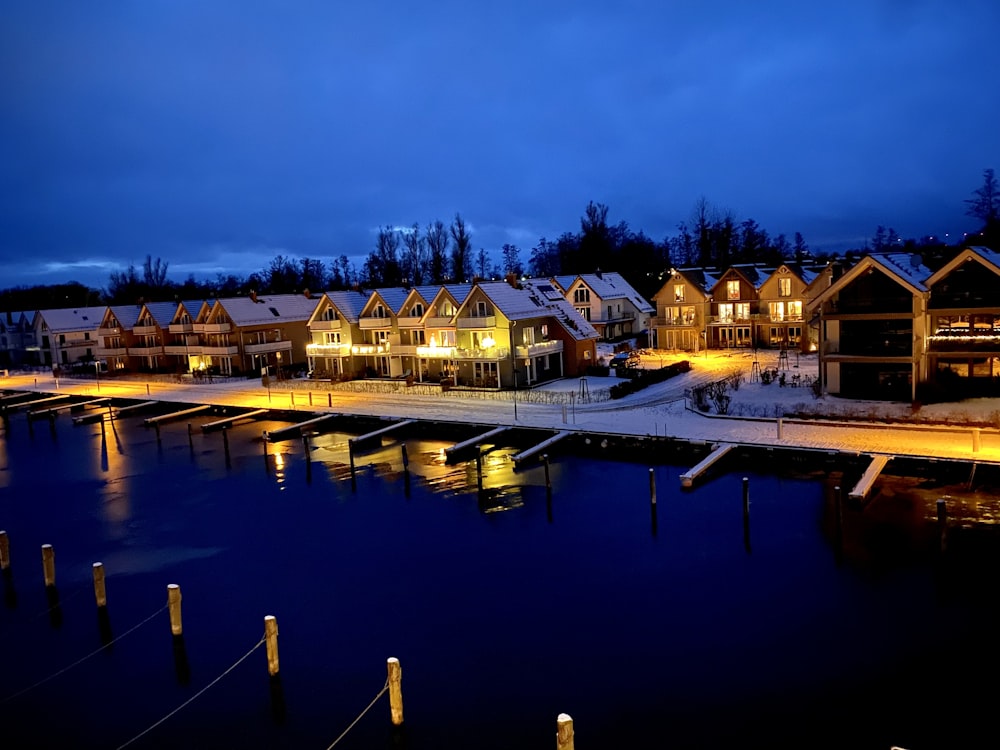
(608, 302)
(66, 337)
(683, 305)
(734, 308)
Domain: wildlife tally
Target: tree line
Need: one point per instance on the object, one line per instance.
(438, 253)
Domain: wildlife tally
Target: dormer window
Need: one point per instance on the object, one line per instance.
(733, 289)
(379, 311)
(678, 292)
(417, 310)
(784, 287)
(480, 309)
(329, 314)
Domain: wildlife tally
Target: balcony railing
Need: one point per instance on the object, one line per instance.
(182, 351)
(409, 321)
(484, 321)
(673, 322)
(728, 320)
(272, 346)
(220, 351)
(214, 327)
(539, 349)
(325, 325)
(109, 331)
(118, 351)
(615, 317)
(440, 321)
(145, 350)
(144, 330)
(181, 327)
(372, 322)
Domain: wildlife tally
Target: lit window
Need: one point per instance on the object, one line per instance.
(784, 287)
(678, 292)
(733, 289)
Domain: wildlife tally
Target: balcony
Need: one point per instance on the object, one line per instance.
(728, 320)
(493, 354)
(615, 317)
(439, 321)
(214, 327)
(372, 323)
(145, 350)
(180, 350)
(409, 322)
(325, 325)
(151, 330)
(673, 322)
(119, 351)
(964, 343)
(478, 322)
(328, 350)
(540, 349)
(181, 327)
(220, 351)
(266, 348)
(109, 332)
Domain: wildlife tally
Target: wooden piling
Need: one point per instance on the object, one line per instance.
(225, 443)
(652, 487)
(100, 594)
(780, 425)
(395, 690)
(329, 400)
(746, 496)
(976, 439)
(406, 459)
(190, 437)
(310, 398)
(548, 479)
(49, 564)
(305, 447)
(350, 455)
(271, 638)
(479, 467)
(147, 389)
(174, 604)
(291, 395)
(942, 519)
(157, 426)
(4, 551)
(564, 732)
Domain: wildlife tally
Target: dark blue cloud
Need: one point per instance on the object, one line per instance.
(217, 136)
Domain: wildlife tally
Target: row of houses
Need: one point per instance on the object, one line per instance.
(887, 327)
(489, 334)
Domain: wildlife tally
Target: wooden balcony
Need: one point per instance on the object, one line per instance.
(480, 322)
(267, 348)
(539, 349)
(220, 351)
(145, 330)
(373, 323)
(325, 325)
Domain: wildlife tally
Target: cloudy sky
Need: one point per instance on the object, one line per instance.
(218, 135)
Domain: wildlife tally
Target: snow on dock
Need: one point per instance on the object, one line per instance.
(864, 485)
(688, 477)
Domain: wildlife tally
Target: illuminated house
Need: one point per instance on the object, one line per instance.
(781, 321)
(15, 338)
(425, 349)
(963, 341)
(183, 343)
(66, 337)
(734, 308)
(683, 305)
(131, 337)
(607, 302)
(379, 329)
(334, 330)
(255, 334)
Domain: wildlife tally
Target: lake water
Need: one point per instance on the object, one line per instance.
(504, 611)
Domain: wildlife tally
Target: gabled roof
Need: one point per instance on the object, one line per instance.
(612, 285)
(270, 308)
(193, 308)
(126, 315)
(987, 257)
(72, 319)
(393, 299)
(348, 303)
(162, 312)
(748, 273)
(696, 277)
(902, 267)
(527, 303)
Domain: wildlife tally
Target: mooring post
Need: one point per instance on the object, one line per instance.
(190, 438)
(548, 480)
(395, 690)
(100, 594)
(305, 446)
(157, 426)
(652, 487)
(310, 398)
(49, 564)
(942, 519)
(111, 414)
(174, 604)
(350, 455)
(746, 496)
(329, 400)
(4, 551)
(564, 413)
(147, 389)
(479, 467)
(225, 443)
(291, 395)
(779, 428)
(271, 638)
(104, 434)
(406, 459)
(564, 732)
(976, 437)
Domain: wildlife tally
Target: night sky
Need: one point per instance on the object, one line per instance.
(219, 135)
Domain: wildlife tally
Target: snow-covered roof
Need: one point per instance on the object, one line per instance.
(394, 297)
(162, 312)
(612, 285)
(126, 315)
(349, 304)
(907, 266)
(527, 302)
(268, 308)
(62, 319)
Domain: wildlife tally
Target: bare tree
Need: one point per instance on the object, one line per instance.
(154, 273)
(414, 255)
(986, 205)
(511, 259)
(482, 263)
(461, 250)
(437, 248)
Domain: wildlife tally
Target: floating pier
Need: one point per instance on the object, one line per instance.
(867, 481)
(175, 415)
(295, 430)
(367, 437)
(472, 442)
(528, 453)
(220, 423)
(688, 477)
(64, 407)
(28, 404)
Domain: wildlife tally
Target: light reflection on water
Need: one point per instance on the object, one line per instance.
(567, 603)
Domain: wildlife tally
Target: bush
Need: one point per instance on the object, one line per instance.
(639, 379)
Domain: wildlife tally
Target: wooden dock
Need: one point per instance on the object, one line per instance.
(220, 423)
(864, 486)
(35, 402)
(471, 442)
(688, 477)
(295, 430)
(63, 407)
(368, 437)
(176, 415)
(536, 449)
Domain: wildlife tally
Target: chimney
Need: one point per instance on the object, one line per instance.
(253, 295)
(599, 274)
(306, 293)
(511, 279)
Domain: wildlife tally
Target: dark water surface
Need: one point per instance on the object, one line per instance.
(504, 612)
